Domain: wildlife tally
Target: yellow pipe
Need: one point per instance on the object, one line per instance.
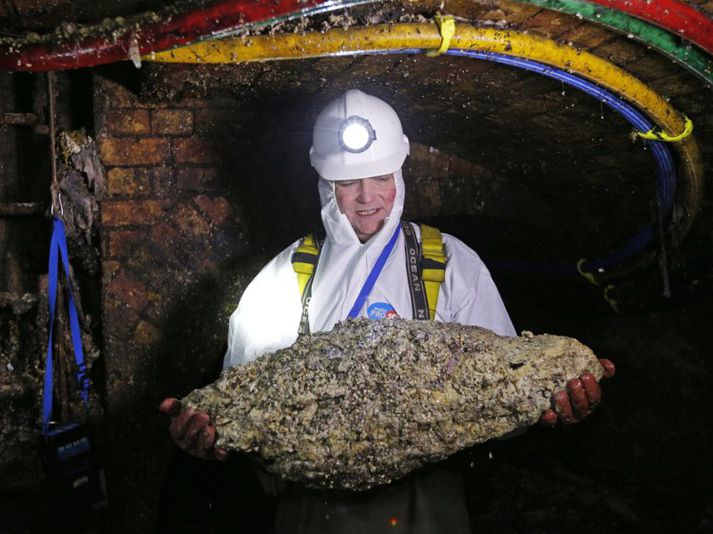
(338, 42)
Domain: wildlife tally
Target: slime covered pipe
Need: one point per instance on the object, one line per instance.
(668, 43)
(226, 17)
(223, 18)
(675, 16)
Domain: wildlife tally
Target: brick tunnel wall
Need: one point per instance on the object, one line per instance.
(167, 228)
(165, 222)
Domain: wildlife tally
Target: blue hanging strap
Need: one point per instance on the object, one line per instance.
(373, 275)
(52, 296)
(58, 247)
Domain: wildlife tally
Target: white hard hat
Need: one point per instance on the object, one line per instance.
(357, 136)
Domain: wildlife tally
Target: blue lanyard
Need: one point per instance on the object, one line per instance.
(373, 275)
(58, 247)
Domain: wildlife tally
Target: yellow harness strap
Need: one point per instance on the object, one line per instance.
(433, 265)
(304, 260)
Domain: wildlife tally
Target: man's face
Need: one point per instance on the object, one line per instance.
(366, 203)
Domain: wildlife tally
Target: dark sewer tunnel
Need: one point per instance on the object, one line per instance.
(179, 180)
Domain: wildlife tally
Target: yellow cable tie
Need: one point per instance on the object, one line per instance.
(447, 28)
(587, 275)
(611, 300)
(655, 134)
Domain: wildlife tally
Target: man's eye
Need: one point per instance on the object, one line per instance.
(346, 183)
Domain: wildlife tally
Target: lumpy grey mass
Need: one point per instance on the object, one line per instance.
(371, 401)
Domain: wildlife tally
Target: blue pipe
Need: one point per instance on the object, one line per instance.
(666, 175)
(666, 190)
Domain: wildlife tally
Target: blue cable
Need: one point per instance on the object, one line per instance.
(666, 175)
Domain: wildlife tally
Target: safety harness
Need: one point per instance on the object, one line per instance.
(425, 265)
(304, 262)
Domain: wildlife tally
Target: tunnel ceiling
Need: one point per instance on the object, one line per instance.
(555, 149)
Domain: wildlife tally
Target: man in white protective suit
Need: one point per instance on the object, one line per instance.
(363, 269)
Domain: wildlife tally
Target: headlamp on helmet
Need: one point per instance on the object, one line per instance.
(356, 134)
(344, 140)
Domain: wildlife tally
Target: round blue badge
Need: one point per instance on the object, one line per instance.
(381, 310)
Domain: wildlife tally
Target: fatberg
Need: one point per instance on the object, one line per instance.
(371, 401)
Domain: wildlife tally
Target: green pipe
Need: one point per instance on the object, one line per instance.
(670, 45)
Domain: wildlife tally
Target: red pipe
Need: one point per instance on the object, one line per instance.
(225, 15)
(672, 15)
(174, 31)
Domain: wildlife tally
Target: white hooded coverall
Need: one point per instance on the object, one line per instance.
(268, 318)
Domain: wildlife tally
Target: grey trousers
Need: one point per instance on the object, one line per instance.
(426, 502)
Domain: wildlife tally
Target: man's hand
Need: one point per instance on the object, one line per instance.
(578, 400)
(192, 430)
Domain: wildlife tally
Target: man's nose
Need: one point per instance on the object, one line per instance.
(366, 190)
